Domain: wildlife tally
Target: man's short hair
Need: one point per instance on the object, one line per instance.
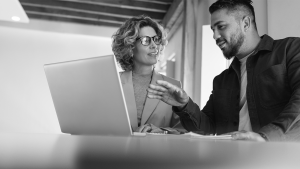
(242, 6)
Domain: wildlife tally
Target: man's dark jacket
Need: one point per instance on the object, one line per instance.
(273, 93)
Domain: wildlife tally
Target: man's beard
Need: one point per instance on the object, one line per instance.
(236, 41)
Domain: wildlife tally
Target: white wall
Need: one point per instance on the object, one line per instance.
(213, 63)
(261, 16)
(26, 103)
(283, 18)
(174, 47)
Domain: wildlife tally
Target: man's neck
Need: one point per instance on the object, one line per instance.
(251, 44)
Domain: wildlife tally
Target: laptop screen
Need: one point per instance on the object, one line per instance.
(88, 96)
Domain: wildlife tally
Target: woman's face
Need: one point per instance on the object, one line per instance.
(145, 55)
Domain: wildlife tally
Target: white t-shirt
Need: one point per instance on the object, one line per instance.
(244, 121)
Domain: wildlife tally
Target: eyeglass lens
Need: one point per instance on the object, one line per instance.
(146, 40)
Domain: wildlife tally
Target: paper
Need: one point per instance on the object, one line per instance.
(139, 134)
(189, 134)
(213, 137)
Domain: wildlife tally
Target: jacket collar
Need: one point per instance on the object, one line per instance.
(150, 104)
(126, 80)
(266, 43)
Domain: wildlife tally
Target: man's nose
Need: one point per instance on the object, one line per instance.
(216, 35)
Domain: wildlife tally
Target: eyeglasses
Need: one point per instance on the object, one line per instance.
(146, 40)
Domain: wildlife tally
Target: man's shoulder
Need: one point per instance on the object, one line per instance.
(224, 74)
(291, 44)
(287, 40)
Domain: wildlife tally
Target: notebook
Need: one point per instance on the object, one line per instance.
(88, 97)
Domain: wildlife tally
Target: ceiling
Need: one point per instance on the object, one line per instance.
(110, 13)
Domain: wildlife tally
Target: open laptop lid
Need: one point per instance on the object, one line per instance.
(88, 96)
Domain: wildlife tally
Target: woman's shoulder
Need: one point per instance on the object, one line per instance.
(123, 73)
(124, 76)
(120, 73)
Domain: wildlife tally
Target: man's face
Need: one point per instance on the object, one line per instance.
(227, 33)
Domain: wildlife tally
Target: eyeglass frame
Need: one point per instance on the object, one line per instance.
(152, 39)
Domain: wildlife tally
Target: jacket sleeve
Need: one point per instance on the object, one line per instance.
(192, 119)
(293, 134)
(288, 120)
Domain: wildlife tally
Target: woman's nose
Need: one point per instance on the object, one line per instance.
(152, 44)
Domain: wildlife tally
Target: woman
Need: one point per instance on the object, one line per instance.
(137, 45)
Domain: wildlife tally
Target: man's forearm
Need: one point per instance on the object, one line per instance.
(192, 119)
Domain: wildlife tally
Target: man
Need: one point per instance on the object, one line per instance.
(258, 97)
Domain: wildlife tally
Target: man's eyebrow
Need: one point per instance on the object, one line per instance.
(217, 23)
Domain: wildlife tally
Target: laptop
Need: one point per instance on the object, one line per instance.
(88, 97)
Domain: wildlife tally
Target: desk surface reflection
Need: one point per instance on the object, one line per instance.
(37, 151)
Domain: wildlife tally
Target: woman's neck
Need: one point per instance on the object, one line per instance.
(143, 70)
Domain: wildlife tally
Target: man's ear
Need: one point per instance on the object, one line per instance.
(246, 23)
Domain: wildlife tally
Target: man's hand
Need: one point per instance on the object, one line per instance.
(246, 135)
(168, 93)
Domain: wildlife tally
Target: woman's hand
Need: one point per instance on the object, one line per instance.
(149, 128)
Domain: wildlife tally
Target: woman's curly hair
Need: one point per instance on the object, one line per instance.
(125, 37)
